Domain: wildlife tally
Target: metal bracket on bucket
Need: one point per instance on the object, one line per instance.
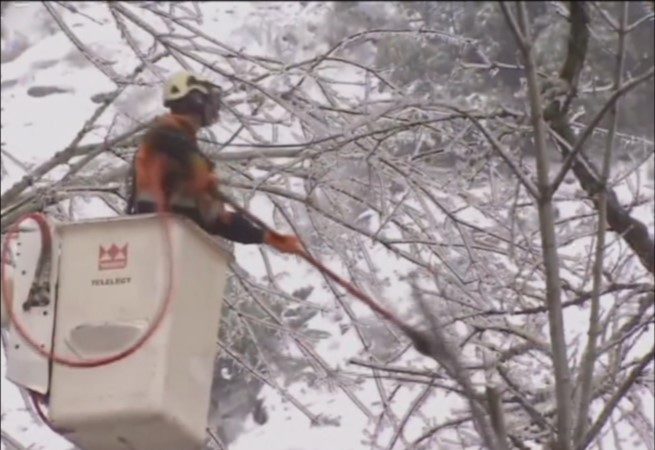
(34, 306)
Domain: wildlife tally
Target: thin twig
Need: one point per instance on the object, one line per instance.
(618, 395)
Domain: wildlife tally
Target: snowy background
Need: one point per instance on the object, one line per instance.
(341, 128)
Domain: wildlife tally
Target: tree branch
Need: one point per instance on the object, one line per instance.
(549, 248)
(573, 150)
(613, 402)
(72, 150)
(586, 374)
(520, 38)
(101, 65)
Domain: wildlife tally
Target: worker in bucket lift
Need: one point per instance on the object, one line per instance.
(171, 174)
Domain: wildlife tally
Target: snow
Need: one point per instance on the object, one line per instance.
(37, 127)
(34, 128)
(19, 423)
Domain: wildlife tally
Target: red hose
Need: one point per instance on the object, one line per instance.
(46, 242)
(367, 300)
(37, 400)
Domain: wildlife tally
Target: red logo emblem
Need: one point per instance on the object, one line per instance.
(112, 257)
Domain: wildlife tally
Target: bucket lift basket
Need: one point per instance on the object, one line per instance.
(108, 277)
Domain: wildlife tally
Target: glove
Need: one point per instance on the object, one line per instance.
(284, 243)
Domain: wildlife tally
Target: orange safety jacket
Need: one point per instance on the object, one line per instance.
(170, 173)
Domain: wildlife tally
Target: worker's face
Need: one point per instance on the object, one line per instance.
(212, 106)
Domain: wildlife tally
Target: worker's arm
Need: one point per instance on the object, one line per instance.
(237, 227)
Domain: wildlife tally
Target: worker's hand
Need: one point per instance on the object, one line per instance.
(284, 243)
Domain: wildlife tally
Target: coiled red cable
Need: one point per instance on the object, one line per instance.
(46, 242)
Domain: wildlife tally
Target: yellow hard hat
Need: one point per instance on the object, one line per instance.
(180, 84)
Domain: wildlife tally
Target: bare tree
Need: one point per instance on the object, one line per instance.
(502, 232)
